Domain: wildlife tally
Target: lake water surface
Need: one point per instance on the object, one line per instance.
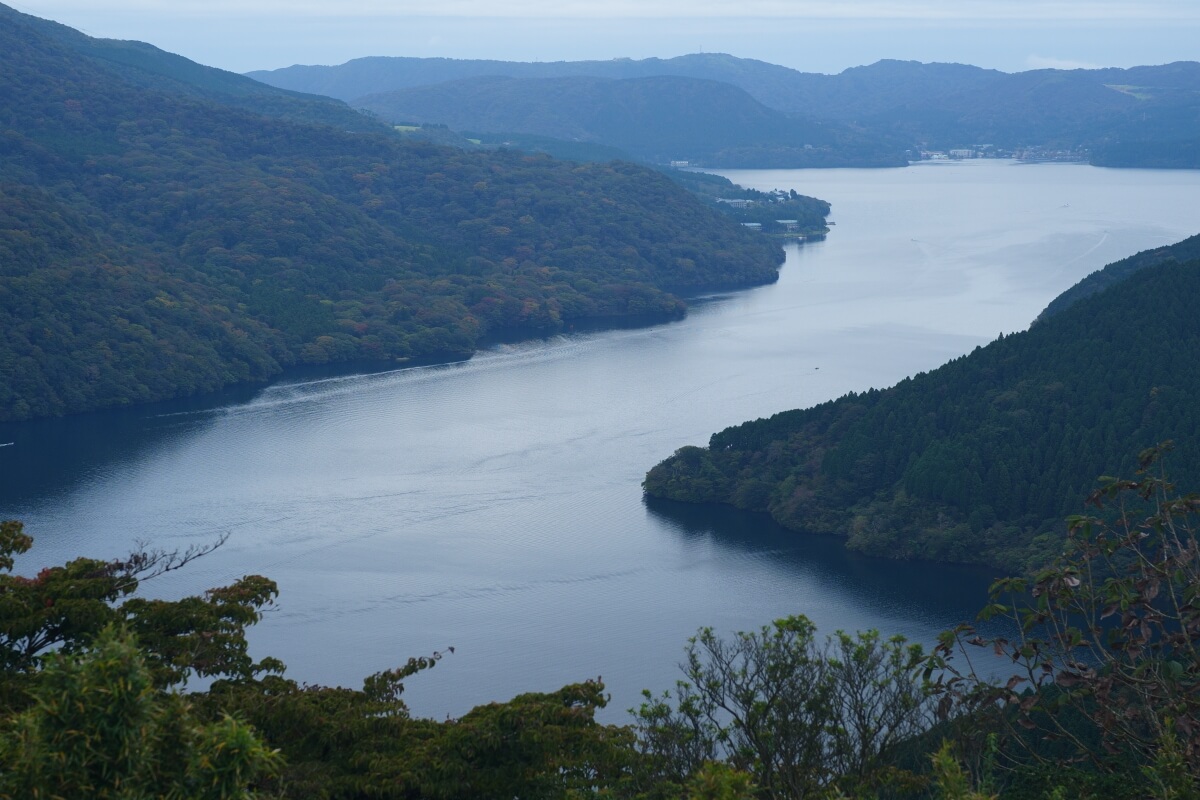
(494, 505)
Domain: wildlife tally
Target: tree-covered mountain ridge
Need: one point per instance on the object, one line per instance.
(658, 119)
(1140, 116)
(1101, 279)
(167, 229)
(979, 460)
(149, 67)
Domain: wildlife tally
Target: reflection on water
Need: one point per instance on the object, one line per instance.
(931, 592)
(49, 457)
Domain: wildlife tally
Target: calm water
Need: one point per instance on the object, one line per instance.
(494, 505)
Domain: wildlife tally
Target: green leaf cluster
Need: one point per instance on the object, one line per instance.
(797, 716)
(100, 728)
(1103, 643)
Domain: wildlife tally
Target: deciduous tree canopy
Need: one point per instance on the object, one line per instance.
(156, 242)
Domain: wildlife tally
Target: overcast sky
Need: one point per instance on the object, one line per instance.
(809, 35)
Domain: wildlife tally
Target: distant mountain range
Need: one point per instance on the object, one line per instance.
(656, 119)
(857, 92)
(1120, 117)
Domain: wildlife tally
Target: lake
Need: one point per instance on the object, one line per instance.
(494, 505)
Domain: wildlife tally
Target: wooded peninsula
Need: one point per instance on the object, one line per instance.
(980, 460)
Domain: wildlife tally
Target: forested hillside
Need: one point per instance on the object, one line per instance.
(156, 240)
(657, 119)
(1114, 273)
(979, 460)
(1101, 111)
(149, 67)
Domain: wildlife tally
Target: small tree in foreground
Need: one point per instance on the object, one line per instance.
(1108, 639)
(794, 713)
(64, 608)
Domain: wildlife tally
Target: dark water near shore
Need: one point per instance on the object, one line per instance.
(494, 504)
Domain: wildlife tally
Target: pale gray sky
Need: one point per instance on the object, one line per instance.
(809, 35)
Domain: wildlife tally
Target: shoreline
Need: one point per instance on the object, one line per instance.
(245, 391)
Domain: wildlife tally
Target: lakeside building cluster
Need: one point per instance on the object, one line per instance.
(1067, 155)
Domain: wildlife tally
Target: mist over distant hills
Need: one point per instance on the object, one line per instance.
(860, 91)
(374, 75)
(656, 119)
(1141, 116)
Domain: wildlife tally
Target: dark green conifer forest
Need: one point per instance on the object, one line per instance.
(980, 459)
